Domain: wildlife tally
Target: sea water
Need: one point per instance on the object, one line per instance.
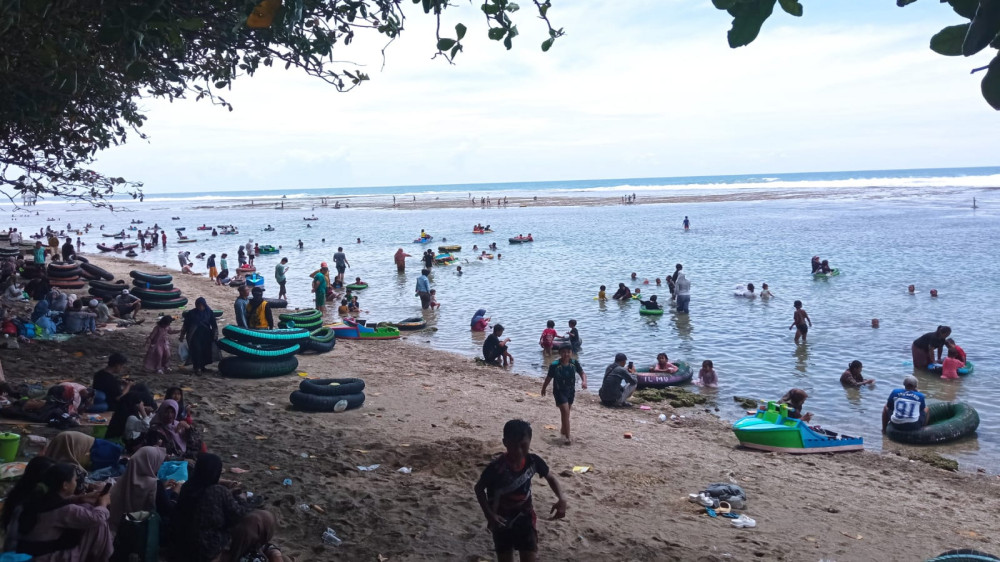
(881, 239)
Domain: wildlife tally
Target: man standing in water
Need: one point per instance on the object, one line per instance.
(340, 261)
(400, 259)
(319, 288)
(279, 277)
(424, 289)
(682, 288)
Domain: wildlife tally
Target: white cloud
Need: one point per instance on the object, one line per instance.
(649, 91)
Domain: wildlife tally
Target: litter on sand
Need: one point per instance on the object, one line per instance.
(368, 468)
(581, 469)
(303, 374)
(552, 427)
(260, 437)
(645, 408)
(404, 470)
(238, 470)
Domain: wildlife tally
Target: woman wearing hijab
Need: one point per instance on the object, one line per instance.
(52, 527)
(206, 511)
(13, 503)
(201, 331)
(128, 406)
(139, 489)
(251, 539)
(177, 437)
(82, 451)
(479, 321)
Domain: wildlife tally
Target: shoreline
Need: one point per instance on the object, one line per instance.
(440, 414)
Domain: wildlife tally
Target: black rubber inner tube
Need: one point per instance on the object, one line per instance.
(161, 305)
(314, 403)
(65, 273)
(318, 346)
(265, 337)
(253, 351)
(150, 294)
(96, 270)
(152, 286)
(948, 421)
(326, 387)
(322, 335)
(105, 286)
(964, 555)
(247, 368)
(277, 303)
(150, 277)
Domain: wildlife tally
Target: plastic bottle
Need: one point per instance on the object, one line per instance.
(330, 537)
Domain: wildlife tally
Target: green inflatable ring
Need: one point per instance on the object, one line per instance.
(651, 311)
(164, 304)
(357, 286)
(302, 316)
(270, 352)
(947, 421)
(265, 337)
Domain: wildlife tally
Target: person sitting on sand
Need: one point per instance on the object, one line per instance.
(76, 320)
(78, 398)
(852, 376)
(906, 408)
(223, 278)
(109, 381)
(177, 437)
(796, 398)
(623, 293)
(707, 376)
(663, 365)
(651, 304)
(495, 349)
(126, 304)
(618, 383)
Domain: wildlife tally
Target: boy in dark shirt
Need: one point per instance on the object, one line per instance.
(504, 493)
(562, 374)
(109, 382)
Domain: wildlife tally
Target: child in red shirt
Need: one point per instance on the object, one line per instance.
(548, 338)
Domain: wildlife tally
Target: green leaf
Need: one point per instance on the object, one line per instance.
(221, 84)
(792, 7)
(444, 44)
(984, 27)
(460, 30)
(948, 41)
(965, 8)
(496, 33)
(724, 4)
(508, 43)
(512, 7)
(991, 84)
(192, 24)
(748, 17)
(547, 44)
(490, 9)
(456, 49)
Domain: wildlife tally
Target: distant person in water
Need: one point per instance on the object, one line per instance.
(623, 293)
(852, 376)
(687, 223)
(816, 264)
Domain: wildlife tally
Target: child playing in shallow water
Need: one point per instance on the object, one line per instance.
(601, 295)
(548, 338)
(951, 364)
(434, 302)
(707, 376)
(799, 321)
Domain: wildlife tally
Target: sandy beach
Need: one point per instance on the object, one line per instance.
(441, 415)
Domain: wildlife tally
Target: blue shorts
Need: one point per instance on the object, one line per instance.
(564, 395)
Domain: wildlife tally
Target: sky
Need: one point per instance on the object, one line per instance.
(638, 88)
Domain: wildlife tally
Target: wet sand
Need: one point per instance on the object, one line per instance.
(442, 415)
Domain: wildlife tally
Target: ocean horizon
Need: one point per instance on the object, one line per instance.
(971, 177)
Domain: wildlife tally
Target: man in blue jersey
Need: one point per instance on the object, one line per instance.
(906, 408)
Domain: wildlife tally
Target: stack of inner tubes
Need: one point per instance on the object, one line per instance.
(320, 340)
(309, 319)
(66, 275)
(6, 252)
(260, 353)
(156, 291)
(328, 395)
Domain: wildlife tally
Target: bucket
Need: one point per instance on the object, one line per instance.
(9, 444)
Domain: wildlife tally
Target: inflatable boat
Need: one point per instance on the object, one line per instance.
(649, 379)
(350, 330)
(770, 429)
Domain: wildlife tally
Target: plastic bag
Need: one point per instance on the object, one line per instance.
(182, 351)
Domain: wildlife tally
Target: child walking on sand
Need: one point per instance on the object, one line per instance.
(799, 321)
(707, 376)
(562, 374)
(158, 350)
(504, 494)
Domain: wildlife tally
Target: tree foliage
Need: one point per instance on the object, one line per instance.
(967, 39)
(72, 72)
